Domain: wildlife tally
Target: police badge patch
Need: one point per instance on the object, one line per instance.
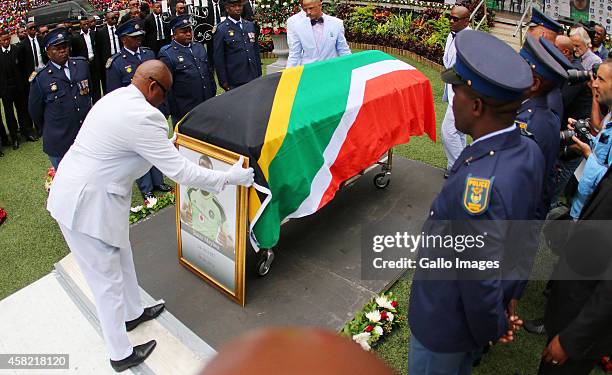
(128, 69)
(477, 194)
(181, 59)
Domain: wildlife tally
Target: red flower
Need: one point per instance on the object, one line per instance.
(145, 203)
(3, 216)
(369, 328)
(394, 304)
(383, 315)
(51, 172)
(265, 31)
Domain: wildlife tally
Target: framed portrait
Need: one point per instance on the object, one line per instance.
(212, 228)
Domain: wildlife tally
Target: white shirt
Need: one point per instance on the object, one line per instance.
(239, 22)
(38, 52)
(121, 138)
(65, 68)
(493, 134)
(317, 30)
(5, 50)
(90, 52)
(450, 56)
(216, 8)
(158, 23)
(111, 36)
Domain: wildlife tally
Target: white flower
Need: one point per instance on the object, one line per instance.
(136, 209)
(362, 339)
(151, 202)
(379, 330)
(284, 4)
(48, 186)
(390, 316)
(383, 302)
(373, 316)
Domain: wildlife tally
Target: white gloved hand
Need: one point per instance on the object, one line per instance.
(237, 175)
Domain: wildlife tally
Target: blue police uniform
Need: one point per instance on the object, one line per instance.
(236, 53)
(497, 177)
(120, 69)
(537, 117)
(193, 81)
(59, 99)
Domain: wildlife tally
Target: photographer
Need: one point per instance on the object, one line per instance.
(596, 151)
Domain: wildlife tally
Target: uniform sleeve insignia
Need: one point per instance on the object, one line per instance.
(109, 62)
(477, 194)
(32, 76)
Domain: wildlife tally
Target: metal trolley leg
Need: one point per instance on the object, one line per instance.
(264, 263)
(383, 179)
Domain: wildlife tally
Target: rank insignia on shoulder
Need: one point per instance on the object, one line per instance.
(477, 194)
(32, 76)
(521, 125)
(109, 62)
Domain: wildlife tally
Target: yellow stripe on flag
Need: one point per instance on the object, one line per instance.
(279, 116)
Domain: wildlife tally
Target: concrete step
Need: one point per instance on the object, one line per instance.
(505, 32)
(178, 351)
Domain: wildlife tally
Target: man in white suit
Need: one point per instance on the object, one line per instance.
(121, 138)
(316, 37)
(453, 140)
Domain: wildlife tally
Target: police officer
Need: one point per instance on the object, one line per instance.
(236, 52)
(536, 115)
(59, 96)
(496, 178)
(193, 80)
(120, 69)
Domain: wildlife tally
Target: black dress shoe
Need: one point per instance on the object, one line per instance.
(140, 353)
(149, 313)
(32, 138)
(15, 145)
(535, 326)
(163, 188)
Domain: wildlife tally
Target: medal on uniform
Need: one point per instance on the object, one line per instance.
(53, 87)
(476, 195)
(231, 33)
(84, 87)
(181, 59)
(252, 37)
(128, 69)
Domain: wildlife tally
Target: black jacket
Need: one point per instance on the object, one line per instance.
(103, 44)
(79, 46)
(580, 311)
(27, 56)
(11, 71)
(150, 38)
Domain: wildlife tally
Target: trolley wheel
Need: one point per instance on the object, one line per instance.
(265, 262)
(382, 180)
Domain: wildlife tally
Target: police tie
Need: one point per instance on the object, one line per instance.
(138, 55)
(240, 24)
(66, 71)
(314, 22)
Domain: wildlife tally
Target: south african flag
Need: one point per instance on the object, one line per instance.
(309, 128)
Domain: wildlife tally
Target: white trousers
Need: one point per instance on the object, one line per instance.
(453, 140)
(110, 274)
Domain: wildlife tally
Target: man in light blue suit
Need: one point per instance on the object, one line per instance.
(316, 37)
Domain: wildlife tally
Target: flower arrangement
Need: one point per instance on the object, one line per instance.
(3, 216)
(376, 320)
(150, 206)
(49, 178)
(272, 15)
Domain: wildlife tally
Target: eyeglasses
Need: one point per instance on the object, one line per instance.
(164, 90)
(455, 18)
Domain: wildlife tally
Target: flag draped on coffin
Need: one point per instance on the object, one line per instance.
(307, 129)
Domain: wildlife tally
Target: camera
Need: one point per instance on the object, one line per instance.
(580, 76)
(582, 130)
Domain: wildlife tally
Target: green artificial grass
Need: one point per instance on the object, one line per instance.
(31, 242)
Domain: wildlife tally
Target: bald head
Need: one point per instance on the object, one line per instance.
(459, 18)
(153, 79)
(460, 11)
(564, 44)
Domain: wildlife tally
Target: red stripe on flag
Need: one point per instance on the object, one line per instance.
(387, 117)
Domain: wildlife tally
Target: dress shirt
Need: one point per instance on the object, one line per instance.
(114, 40)
(90, 52)
(64, 68)
(317, 29)
(159, 26)
(34, 41)
(239, 22)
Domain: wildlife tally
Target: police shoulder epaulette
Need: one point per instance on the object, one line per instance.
(165, 48)
(81, 58)
(146, 49)
(35, 73)
(110, 60)
(523, 128)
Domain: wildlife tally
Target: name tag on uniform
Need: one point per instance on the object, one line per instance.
(83, 87)
(252, 37)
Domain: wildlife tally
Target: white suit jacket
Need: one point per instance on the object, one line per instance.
(449, 58)
(122, 136)
(302, 46)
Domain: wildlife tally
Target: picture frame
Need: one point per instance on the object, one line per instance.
(211, 229)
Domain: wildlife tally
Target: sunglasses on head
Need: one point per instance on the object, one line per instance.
(455, 18)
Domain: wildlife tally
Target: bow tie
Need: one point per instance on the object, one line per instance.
(314, 22)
